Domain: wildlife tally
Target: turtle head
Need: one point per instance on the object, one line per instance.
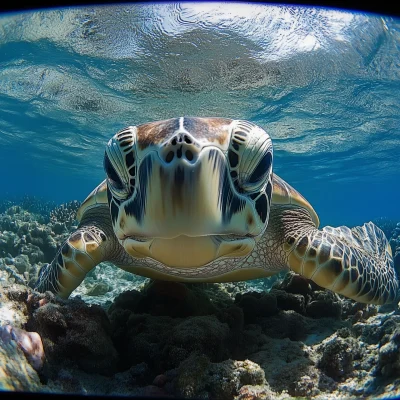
(187, 191)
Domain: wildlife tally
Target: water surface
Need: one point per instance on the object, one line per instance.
(324, 83)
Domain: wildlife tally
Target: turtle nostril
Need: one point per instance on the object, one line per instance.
(189, 155)
(187, 139)
(181, 146)
(170, 157)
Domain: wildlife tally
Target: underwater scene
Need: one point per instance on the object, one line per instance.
(200, 200)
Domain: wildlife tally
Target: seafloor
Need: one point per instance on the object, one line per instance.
(120, 334)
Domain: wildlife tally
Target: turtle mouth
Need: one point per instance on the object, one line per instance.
(188, 251)
(218, 237)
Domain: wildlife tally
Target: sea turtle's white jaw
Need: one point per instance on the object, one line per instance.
(185, 199)
(188, 252)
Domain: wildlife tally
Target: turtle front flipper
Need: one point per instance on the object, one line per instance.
(92, 243)
(356, 263)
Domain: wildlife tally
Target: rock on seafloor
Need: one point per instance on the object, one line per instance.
(196, 345)
(277, 338)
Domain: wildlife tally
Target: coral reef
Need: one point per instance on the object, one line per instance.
(26, 242)
(33, 204)
(29, 342)
(16, 373)
(119, 334)
(73, 334)
(148, 343)
(63, 216)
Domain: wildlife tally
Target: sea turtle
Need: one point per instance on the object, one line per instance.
(195, 200)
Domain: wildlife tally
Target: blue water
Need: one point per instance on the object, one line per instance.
(324, 83)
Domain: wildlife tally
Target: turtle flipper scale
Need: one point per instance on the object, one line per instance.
(80, 253)
(356, 263)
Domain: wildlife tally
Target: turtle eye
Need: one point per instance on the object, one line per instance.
(112, 175)
(260, 174)
(250, 157)
(115, 183)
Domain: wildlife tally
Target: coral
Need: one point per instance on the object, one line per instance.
(389, 354)
(337, 358)
(19, 350)
(26, 242)
(22, 234)
(73, 332)
(306, 386)
(294, 283)
(36, 205)
(324, 304)
(255, 305)
(285, 363)
(165, 298)
(291, 325)
(203, 334)
(13, 308)
(64, 214)
(289, 301)
(98, 289)
(5, 204)
(16, 373)
(197, 356)
(29, 204)
(7, 266)
(255, 392)
(199, 378)
(21, 262)
(29, 342)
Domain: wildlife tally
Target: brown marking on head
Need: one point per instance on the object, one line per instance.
(201, 128)
(122, 223)
(250, 219)
(212, 128)
(154, 132)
